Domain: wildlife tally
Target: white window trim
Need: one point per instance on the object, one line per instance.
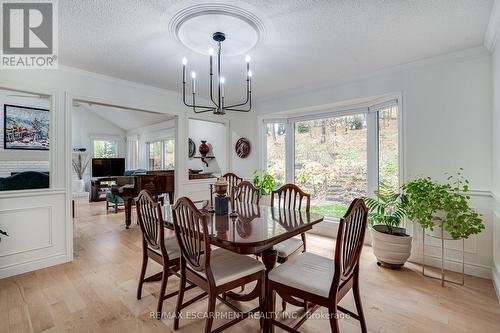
(162, 149)
(370, 109)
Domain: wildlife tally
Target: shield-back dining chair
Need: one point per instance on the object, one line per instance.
(216, 272)
(156, 246)
(323, 281)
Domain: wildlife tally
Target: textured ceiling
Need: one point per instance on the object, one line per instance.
(308, 43)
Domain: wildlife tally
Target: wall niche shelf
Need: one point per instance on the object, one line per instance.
(204, 159)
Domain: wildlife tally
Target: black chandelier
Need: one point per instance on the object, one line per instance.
(218, 106)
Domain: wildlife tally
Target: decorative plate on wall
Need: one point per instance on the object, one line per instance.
(242, 148)
(192, 149)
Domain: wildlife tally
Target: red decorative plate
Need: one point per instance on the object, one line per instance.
(242, 148)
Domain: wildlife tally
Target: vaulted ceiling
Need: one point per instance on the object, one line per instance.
(307, 43)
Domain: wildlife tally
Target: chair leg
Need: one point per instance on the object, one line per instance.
(359, 307)
(262, 297)
(271, 300)
(180, 297)
(143, 273)
(116, 208)
(211, 308)
(107, 206)
(283, 302)
(334, 324)
(161, 297)
(303, 235)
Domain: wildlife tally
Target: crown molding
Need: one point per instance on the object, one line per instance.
(493, 28)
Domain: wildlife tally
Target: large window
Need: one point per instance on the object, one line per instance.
(275, 153)
(331, 161)
(161, 154)
(105, 148)
(336, 157)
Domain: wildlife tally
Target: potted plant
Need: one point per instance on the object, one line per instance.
(391, 245)
(265, 183)
(80, 162)
(443, 208)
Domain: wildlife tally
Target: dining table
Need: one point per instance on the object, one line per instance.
(252, 229)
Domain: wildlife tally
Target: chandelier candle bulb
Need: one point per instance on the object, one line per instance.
(193, 76)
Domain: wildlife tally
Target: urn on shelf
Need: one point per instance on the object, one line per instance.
(203, 148)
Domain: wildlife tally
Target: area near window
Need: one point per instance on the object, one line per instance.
(336, 156)
(161, 154)
(105, 148)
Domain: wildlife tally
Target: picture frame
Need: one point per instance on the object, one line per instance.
(25, 128)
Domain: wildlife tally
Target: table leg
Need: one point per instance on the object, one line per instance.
(128, 211)
(269, 258)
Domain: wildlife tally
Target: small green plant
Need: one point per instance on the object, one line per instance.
(388, 208)
(3, 233)
(431, 203)
(264, 182)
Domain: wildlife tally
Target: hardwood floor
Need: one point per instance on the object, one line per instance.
(96, 292)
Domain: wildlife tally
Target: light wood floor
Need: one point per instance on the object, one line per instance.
(96, 292)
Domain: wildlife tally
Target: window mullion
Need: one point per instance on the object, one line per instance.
(372, 152)
(290, 152)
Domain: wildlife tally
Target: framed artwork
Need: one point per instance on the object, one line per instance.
(242, 148)
(25, 128)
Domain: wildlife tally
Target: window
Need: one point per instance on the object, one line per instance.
(337, 156)
(388, 143)
(161, 154)
(275, 153)
(105, 148)
(331, 161)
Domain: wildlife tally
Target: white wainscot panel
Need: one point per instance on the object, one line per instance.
(24, 235)
(37, 230)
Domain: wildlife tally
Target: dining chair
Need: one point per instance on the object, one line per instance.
(246, 193)
(322, 281)
(217, 271)
(156, 246)
(290, 197)
(233, 180)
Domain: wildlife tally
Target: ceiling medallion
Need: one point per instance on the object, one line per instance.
(193, 25)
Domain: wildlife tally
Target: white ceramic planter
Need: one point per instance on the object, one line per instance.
(78, 185)
(390, 250)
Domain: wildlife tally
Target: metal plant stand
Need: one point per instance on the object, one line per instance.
(443, 277)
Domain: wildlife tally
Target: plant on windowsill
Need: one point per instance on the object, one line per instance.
(443, 208)
(391, 245)
(265, 183)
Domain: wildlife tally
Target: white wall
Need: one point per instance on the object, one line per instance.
(160, 131)
(447, 125)
(496, 166)
(15, 160)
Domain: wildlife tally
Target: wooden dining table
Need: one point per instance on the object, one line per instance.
(255, 230)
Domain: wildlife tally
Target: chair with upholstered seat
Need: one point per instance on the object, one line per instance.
(290, 196)
(323, 281)
(232, 180)
(217, 271)
(246, 193)
(156, 246)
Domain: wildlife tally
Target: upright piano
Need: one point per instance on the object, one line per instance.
(156, 182)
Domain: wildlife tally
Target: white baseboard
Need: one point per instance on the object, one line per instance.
(30, 266)
(482, 271)
(495, 272)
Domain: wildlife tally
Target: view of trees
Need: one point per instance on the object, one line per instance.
(105, 149)
(331, 157)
